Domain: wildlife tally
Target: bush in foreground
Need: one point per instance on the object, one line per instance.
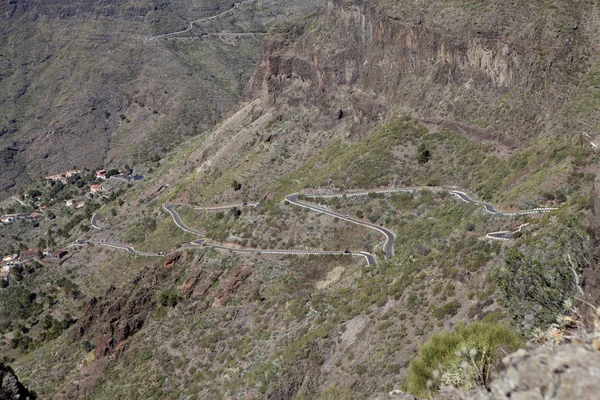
(463, 358)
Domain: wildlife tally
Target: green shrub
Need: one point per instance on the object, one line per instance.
(424, 155)
(169, 299)
(112, 172)
(17, 304)
(53, 328)
(464, 358)
(537, 279)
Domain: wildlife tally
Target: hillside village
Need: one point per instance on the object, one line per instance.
(51, 190)
(18, 261)
(42, 202)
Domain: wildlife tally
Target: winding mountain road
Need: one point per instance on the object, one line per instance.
(505, 235)
(128, 249)
(220, 35)
(94, 220)
(228, 206)
(369, 257)
(117, 246)
(191, 23)
(492, 210)
(170, 208)
(461, 195)
(388, 246)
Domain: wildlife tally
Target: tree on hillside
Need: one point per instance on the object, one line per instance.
(424, 155)
(112, 172)
(33, 193)
(538, 281)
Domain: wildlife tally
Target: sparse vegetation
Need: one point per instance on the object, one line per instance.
(463, 358)
(539, 277)
(197, 322)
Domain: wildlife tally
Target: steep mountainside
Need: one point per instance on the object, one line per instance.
(508, 71)
(80, 85)
(207, 279)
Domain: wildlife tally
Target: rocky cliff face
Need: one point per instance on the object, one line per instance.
(119, 314)
(10, 387)
(437, 63)
(566, 372)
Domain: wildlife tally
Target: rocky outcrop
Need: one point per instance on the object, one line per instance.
(567, 372)
(233, 282)
(190, 281)
(119, 314)
(172, 259)
(10, 387)
(207, 279)
(117, 327)
(199, 282)
(370, 59)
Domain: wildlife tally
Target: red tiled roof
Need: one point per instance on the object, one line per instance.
(29, 252)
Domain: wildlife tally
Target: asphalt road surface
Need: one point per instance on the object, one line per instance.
(117, 246)
(94, 221)
(170, 208)
(227, 207)
(388, 246)
(492, 210)
(505, 235)
(369, 257)
(461, 195)
(191, 23)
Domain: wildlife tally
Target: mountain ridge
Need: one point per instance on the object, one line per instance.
(355, 96)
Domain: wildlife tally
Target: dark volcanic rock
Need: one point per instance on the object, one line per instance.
(10, 387)
(233, 282)
(119, 314)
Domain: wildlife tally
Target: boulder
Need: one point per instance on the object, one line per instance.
(570, 371)
(10, 387)
(233, 282)
(171, 259)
